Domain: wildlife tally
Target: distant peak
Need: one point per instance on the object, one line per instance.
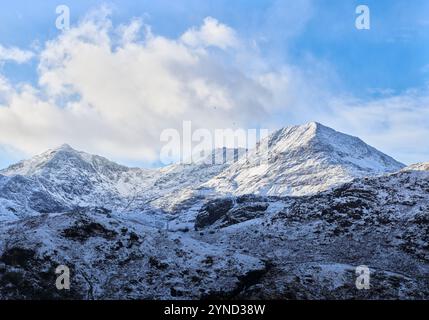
(306, 130)
(316, 125)
(423, 166)
(313, 124)
(65, 146)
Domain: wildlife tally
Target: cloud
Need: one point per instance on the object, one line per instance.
(397, 125)
(114, 90)
(15, 54)
(211, 33)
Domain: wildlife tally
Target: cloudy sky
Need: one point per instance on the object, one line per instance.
(126, 70)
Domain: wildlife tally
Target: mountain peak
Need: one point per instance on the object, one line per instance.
(39, 162)
(337, 147)
(316, 129)
(297, 136)
(64, 147)
(314, 125)
(63, 157)
(303, 159)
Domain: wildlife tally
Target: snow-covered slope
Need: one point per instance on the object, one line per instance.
(302, 160)
(314, 243)
(424, 166)
(249, 247)
(112, 257)
(64, 178)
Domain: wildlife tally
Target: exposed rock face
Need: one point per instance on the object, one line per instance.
(227, 212)
(212, 212)
(25, 275)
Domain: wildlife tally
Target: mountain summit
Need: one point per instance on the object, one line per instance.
(63, 158)
(302, 160)
(60, 179)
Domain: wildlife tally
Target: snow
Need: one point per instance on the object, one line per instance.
(303, 160)
(418, 167)
(299, 224)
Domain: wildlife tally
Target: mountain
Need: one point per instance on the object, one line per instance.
(64, 178)
(302, 160)
(61, 179)
(290, 222)
(236, 247)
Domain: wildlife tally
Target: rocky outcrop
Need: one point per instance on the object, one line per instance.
(226, 212)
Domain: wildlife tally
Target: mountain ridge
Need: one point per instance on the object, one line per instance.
(299, 155)
(300, 160)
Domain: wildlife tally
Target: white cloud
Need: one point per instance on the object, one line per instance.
(211, 33)
(130, 33)
(397, 125)
(112, 91)
(15, 54)
(115, 96)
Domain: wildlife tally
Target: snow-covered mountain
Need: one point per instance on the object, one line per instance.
(289, 224)
(303, 160)
(247, 247)
(64, 178)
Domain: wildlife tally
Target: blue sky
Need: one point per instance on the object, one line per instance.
(318, 38)
(391, 55)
